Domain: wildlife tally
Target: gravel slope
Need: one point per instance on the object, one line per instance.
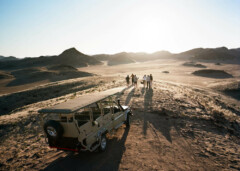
(175, 127)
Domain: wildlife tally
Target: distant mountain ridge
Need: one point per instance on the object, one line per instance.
(9, 58)
(120, 58)
(75, 58)
(222, 54)
(130, 57)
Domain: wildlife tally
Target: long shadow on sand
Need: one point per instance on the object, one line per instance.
(108, 160)
(158, 119)
(129, 96)
(164, 123)
(147, 107)
(37, 76)
(19, 99)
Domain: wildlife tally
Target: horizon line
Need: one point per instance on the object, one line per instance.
(89, 54)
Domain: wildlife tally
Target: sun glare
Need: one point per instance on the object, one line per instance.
(150, 28)
(147, 32)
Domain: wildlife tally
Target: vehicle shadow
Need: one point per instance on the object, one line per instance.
(108, 160)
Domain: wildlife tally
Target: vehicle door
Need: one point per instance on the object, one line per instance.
(82, 119)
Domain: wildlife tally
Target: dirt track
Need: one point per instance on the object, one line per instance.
(174, 128)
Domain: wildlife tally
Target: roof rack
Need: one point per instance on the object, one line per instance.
(81, 102)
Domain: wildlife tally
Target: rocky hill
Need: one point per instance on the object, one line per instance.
(221, 54)
(70, 57)
(10, 58)
(216, 54)
(75, 58)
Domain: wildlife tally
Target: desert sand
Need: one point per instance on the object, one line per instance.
(185, 122)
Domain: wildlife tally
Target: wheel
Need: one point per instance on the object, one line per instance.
(54, 130)
(103, 143)
(128, 121)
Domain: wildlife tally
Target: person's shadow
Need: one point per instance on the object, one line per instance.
(161, 123)
(147, 107)
(129, 96)
(108, 160)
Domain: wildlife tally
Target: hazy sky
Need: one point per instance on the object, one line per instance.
(47, 27)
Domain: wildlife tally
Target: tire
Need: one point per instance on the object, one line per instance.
(128, 121)
(54, 130)
(103, 143)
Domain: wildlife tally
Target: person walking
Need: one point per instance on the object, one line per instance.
(127, 80)
(148, 82)
(135, 81)
(132, 76)
(151, 80)
(144, 81)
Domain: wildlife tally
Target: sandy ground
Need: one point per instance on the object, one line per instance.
(180, 124)
(177, 72)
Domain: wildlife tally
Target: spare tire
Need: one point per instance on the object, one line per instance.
(53, 129)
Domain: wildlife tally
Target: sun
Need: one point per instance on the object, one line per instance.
(148, 33)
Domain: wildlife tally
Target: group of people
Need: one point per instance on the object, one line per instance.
(146, 81)
(134, 79)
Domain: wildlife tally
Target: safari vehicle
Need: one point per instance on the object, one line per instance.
(81, 124)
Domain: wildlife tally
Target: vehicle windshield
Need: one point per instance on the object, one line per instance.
(109, 105)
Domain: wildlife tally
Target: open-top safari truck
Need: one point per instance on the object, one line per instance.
(81, 124)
